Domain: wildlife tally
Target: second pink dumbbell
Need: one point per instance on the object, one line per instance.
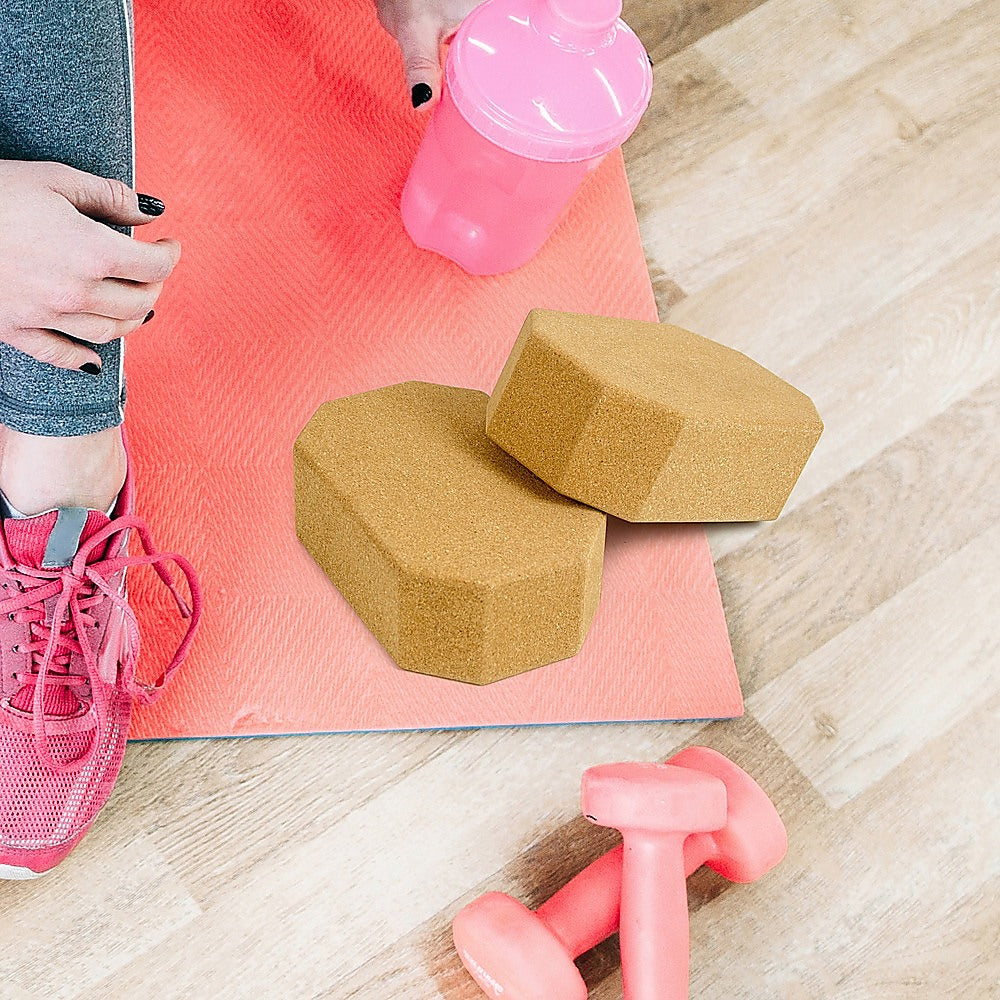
(529, 955)
(655, 807)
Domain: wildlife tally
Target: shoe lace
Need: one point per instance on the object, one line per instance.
(78, 589)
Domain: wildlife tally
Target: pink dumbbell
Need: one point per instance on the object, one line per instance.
(656, 807)
(522, 955)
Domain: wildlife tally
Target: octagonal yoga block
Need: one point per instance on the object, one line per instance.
(650, 422)
(460, 561)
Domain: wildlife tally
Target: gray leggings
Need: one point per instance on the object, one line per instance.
(66, 95)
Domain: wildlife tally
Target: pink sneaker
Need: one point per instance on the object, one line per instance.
(69, 644)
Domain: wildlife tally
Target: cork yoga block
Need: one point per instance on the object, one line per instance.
(650, 422)
(460, 561)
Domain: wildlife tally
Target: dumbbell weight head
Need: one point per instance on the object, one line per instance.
(653, 798)
(513, 954)
(753, 840)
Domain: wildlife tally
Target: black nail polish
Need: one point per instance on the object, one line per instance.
(149, 316)
(90, 368)
(149, 205)
(421, 94)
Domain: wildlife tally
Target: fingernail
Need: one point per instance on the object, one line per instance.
(90, 368)
(421, 94)
(149, 205)
(149, 316)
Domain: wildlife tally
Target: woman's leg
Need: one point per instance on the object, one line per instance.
(67, 640)
(65, 95)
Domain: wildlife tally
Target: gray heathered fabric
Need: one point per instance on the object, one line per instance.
(65, 95)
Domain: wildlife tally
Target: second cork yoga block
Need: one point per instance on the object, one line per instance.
(650, 422)
(460, 561)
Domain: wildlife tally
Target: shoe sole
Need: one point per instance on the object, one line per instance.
(16, 873)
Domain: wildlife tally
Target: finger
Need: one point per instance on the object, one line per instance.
(126, 300)
(52, 348)
(420, 42)
(102, 198)
(122, 257)
(98, 329)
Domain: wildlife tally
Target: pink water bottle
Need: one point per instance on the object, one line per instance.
(536, 93)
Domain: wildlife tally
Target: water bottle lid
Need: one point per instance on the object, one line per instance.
(557, 80)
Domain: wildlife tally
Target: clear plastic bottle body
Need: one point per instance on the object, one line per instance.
(485, 208)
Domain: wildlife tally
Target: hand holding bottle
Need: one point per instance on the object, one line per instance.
(420, 26)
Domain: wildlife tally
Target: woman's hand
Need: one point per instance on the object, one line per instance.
(420, 26)
(65, 275)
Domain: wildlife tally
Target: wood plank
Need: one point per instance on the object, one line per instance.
(828, 712)
(491, 800)
(785, 52)
(222, 814)
(61, 935)
(693, 112)
(668, 26)
(819, 172)
(922, 353)
(703, 99)
(820, 569)
(791, 299)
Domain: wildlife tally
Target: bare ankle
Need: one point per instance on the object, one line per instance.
(38, 473)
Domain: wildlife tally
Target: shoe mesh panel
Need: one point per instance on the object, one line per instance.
(43, 808)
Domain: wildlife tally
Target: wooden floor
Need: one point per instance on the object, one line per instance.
(818, 184)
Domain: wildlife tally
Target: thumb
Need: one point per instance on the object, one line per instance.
(420, 43)
(104, 199)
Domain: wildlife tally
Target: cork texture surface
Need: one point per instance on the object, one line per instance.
(462, 563)
(650, 422)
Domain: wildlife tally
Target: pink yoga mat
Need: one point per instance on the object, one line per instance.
(279, 136)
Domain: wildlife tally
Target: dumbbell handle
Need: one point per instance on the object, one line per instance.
(652, 967)
(586, 910)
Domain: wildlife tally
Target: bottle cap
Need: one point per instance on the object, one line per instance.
(557, 80)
